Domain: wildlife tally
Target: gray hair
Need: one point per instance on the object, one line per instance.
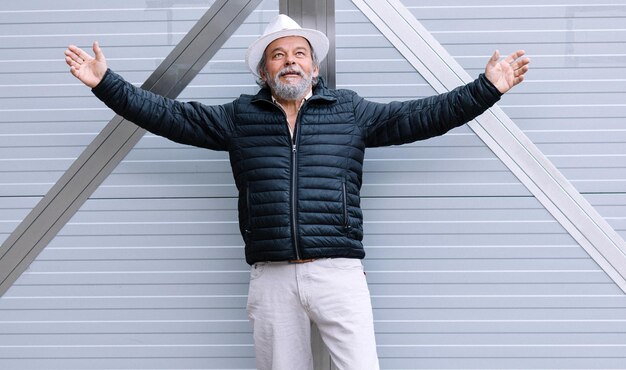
(262, 67)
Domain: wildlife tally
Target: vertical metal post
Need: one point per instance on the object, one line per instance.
(319, 15)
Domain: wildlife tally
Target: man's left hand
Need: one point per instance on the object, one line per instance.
(506, 73)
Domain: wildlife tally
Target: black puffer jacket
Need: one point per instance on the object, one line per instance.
(298, 199)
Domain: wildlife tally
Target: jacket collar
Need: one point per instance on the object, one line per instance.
(320, 91)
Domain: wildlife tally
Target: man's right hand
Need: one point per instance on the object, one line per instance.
(87, 69)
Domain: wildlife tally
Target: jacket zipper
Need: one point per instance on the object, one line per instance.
(294, 188)
(294, 178)
(294, 184)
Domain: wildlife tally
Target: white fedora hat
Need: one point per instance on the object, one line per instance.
(283, 26)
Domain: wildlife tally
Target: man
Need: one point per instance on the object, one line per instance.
(296, 150)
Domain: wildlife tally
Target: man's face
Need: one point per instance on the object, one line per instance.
(289, 68)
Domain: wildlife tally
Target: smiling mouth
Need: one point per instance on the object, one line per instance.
(291, 74)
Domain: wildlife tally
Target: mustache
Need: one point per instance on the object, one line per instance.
(290, 70)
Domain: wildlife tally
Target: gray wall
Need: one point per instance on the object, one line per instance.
(572, 106)
(466, 268)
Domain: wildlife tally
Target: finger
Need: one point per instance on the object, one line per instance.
(73, 61)
(74, 71)
(72, 56)
(97, 51)
(522, 71)
(80, 53)
(519, 75)
(69, 61)
(524, 62)
(514, 56)
(521, 64)
(495, 56)
(73, 49)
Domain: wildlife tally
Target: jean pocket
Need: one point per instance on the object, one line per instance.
(346, 263)
(256, 270)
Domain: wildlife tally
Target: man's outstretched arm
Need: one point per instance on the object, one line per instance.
(187, 123)
(405, 122)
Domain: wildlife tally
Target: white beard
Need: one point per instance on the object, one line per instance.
(287, 91)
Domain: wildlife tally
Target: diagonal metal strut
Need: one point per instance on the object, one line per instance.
(114, 142)
(504, 138)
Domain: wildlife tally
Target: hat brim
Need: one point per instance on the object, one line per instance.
(319, 42)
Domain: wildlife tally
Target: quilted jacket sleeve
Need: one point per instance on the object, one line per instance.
(405, 122)
(187, 123)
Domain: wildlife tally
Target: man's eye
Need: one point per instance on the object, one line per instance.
(278, 55)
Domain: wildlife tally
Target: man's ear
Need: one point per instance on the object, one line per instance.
(316, 71)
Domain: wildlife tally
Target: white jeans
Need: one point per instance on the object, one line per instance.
(283, 300)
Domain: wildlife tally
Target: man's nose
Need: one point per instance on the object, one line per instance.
(290, 60)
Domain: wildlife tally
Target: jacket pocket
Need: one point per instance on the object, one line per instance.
(248, 228)
(346, 216)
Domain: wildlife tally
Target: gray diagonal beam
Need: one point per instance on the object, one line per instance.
(115, 141)
(504, 138)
